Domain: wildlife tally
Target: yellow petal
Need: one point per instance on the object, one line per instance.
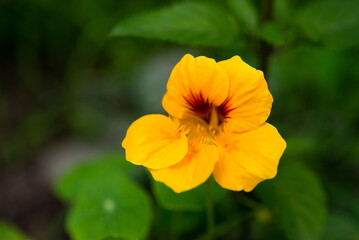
(195, 81)
(249, 100)
(195, 169)
(154, 141)
(231, 175)
(249, 158)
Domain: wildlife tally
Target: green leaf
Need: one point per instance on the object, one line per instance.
(271, 32)
(304, 69)
(282, 10)
(68, 185)
(297, 201)
(333, 22)
(109, 203)
(113, 237)
(9, 232)
(104, 202)
(186, 23)
(192, 200)
(245, 12)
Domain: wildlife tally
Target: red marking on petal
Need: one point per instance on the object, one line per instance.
(225, 108)
(199, 105)
(202, 107)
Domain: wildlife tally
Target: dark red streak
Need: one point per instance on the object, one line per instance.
(202, 108)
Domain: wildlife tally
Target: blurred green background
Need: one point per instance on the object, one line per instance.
(75, 74)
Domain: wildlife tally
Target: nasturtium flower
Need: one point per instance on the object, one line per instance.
(216, 125)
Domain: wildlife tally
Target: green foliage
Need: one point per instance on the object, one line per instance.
(272, 33)
(114, 237)
(341, 226)
(9, 232)
(30, 134)
(344, 198)
(245, 12)
(68, 185)
(193, 200)
(187, 23)
(64, 78)
(334, 22)
(114, 205)
(177, 223)
(104, 202)
(299, 147)
(282, 11)
(307, 75)
(297, 201)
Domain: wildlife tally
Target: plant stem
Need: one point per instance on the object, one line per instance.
(209, 210)
(265, 49)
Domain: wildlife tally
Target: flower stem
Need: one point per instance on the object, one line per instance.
(265, 49)
(209, 210)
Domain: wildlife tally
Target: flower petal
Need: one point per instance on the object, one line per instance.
(195, 169)
(154, 141)
(231, 175)
(249, 101)
(194, 81)
(249, 158)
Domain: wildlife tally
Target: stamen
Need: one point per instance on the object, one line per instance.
(213, 119)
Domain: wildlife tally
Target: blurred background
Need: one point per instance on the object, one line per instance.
(69, 90)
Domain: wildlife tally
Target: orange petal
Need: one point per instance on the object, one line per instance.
(249, 100)
(231, 175)
(154, 141)
(195, 169)
(249, 158)
(194, 79)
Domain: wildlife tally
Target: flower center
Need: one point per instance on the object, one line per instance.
(213, 115)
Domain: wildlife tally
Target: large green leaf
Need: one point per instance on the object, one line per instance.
(68, 185)
(334, 22)
(104, 201)
(186, 23)
(109, 203)
(192, 200)
(297, 201)
(9, 232)
(114, 237)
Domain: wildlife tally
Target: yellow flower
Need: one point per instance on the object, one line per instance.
(216, 125)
